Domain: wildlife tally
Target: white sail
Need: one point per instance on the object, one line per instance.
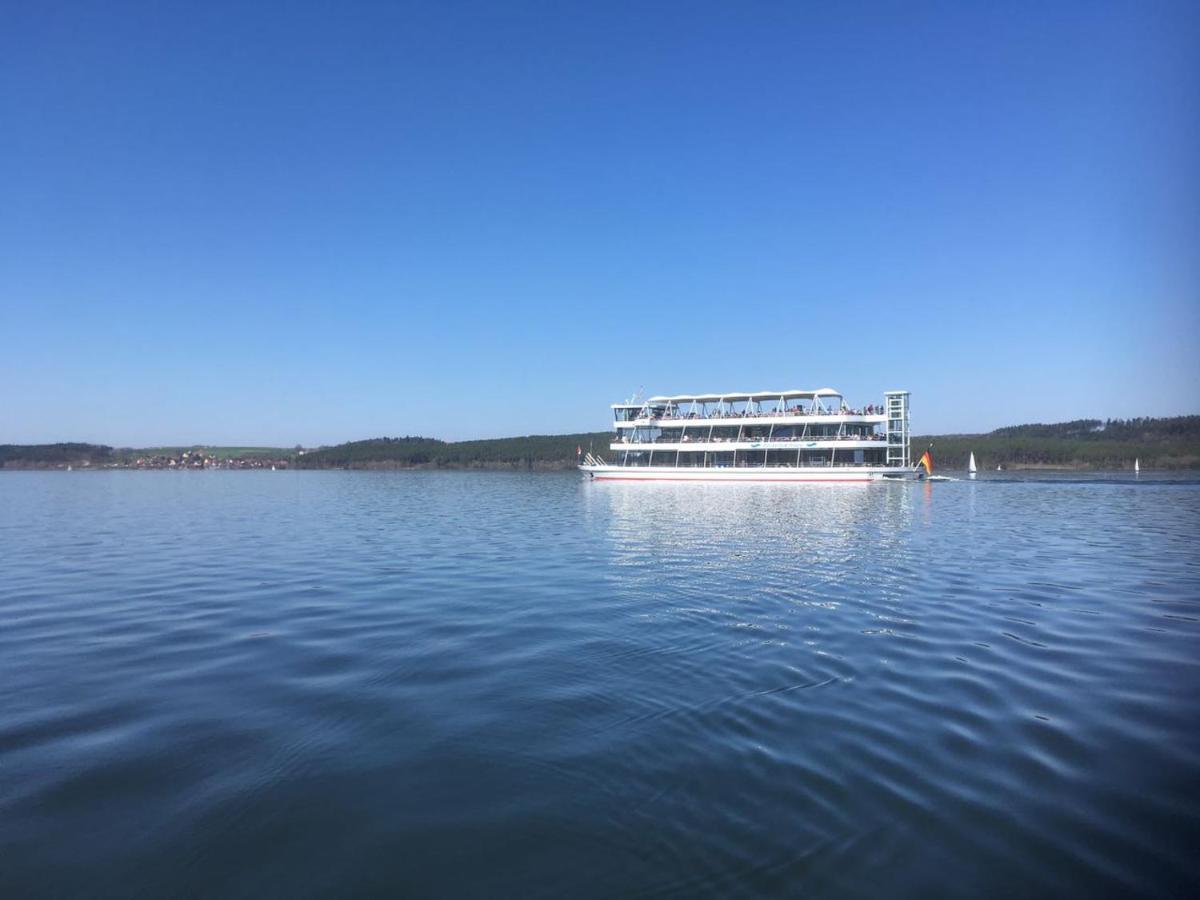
(1137, 466)
(971, 465)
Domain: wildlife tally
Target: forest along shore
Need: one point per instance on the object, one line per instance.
(1159, 443)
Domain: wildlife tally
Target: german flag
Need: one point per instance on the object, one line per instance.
(926, 460)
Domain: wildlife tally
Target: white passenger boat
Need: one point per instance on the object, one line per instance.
(773, 436)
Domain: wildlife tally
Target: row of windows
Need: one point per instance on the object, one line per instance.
(752, 458)
(752, 433)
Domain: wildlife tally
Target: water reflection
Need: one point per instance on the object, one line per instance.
(757, 556)
(809, 524)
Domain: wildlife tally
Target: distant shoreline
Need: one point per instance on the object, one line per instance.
(1082, 445)
(377, 466)
(533, 466)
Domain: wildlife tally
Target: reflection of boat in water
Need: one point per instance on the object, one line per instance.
(767, 436)
(793, 530)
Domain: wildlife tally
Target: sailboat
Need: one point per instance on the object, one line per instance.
(1137, 466)
(971, 465)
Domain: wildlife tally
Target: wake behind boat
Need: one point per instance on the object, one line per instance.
(772, 436)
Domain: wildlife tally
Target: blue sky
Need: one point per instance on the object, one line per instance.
(308, 223)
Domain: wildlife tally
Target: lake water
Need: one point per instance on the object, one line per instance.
(247, 684)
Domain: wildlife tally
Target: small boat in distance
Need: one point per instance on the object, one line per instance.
(776, 436)
(971, 465)
(1137, 466)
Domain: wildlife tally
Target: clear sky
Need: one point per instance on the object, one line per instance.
(315, 222)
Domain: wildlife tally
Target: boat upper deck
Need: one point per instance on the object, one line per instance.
(746, 408)
(771, 418)
(795, 429)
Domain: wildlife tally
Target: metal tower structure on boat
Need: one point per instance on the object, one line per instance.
(897, 428)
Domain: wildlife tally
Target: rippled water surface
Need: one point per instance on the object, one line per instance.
(499, 685)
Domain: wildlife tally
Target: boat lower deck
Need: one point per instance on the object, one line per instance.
(739, 474)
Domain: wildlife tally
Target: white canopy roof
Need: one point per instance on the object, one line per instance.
(745, 395)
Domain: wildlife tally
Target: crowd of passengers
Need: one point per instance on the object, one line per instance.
(814, 410)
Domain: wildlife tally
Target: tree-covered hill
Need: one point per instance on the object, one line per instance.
(47, 456)
(1168, 443)
(1142, 429)
(400, 451)
(531, 451)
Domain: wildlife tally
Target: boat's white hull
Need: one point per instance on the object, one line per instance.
(781, 474)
